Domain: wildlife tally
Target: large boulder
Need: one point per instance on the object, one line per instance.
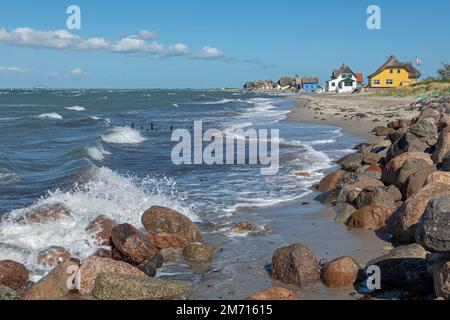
(52, 256)
(341, 273)
(44, 214)
(7, 294)
(410, 167)
(382, 131)
(295, 264)
(433, 232)
(272, 294)
(443, 146)
(112, 286)
(101, 228)
(199, 253)
(439, 177)
(369, 217)
(167, 241)
(351, 162)
(380, 196)
(93, 266)
(441, 276)
(13, 274)
(426, 130)
(394, 136)
(130, 246)
(350, 192)
(55, 284)
(392, 170)
(416, 181)
(159, 219)
(344, 212)
(403, 223)
(405, 268)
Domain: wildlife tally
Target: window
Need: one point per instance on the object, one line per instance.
(333, 84)
(392, 70)
(399, 71)
(376, 82)
(389, 82)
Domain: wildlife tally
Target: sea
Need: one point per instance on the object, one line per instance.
(108, 152)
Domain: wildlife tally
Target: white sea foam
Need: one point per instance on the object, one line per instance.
(97, 152)
(8, 177)
(51, 115)
(223, 101)
(120, 197)
(123, 135)
(76, 108)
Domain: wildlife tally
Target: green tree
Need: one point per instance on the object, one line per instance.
(444, 72)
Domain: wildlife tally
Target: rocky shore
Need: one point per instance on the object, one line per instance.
(399, 188)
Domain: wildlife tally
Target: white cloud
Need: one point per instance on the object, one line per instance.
(208, 52)
(148, 35)
(15, 70)
(77, 72)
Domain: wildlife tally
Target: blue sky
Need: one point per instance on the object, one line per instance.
(204, 44)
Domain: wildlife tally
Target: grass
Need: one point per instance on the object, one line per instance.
(423, 89)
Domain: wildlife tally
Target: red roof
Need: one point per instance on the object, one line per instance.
(359, 78)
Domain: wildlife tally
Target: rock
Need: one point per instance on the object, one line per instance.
(433, 231)
(344, 212)
(341, 273)
(244, 226)
(369, 218)
(274, 294)
(330, 181)
(103, 253)
(416, 182)
(442, 147)
(403, 223)
(45, 214)
(167, 241)
(426, 130)
(380, 196)
(446, 162)
(410, 167)
(8, 294)
(439, 177)
(111, 286)
(93, 266)
(159, 219)
(441, 277)
(303, 174)
(372, 158)
(405, 268)
(351, 162)
(295, 264)
(53, 256)
(55, 284)
(382, 131)
(396, 135)
(13, 274)
(350, 192)
(199, 253)
(392, 169)
(101, 228)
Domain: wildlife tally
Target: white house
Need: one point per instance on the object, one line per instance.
(342, 80)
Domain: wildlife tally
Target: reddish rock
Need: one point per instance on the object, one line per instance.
(341, 273)
(167, 241)
(101, 229)
(93, 266)
(244, 226)
(45, 214)
(13, 275)
(303, 174)
(159, 219)
(55, 284)
(392, 169)
(403, 223)
(439, 177)
(274, 294)
(130, 246)
(330, 182)
(199, 253)
(369, 217)
(382, 131)
(53, 256)
(376, 168)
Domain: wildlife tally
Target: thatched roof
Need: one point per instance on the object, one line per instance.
(343, 69)
(393, 62)
(310, 80)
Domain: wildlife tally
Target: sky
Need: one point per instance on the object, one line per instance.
(211, 44)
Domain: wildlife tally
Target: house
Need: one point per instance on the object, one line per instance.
(359, 79)
(393, 74)
(343, 80)
(310, 84)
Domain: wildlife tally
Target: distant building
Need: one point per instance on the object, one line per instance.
(359, 79)
(343, 80)
(393, 74)
(310, 84)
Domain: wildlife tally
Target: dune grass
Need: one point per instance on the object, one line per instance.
(426, 88)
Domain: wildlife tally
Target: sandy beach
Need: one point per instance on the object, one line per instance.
(356, 114)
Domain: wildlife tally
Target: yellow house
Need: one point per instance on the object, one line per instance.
(394, 74)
